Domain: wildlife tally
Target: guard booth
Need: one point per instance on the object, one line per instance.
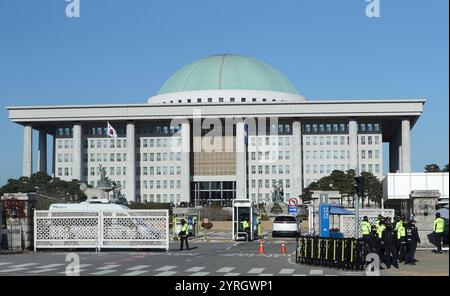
(244, 209)
(192, 218)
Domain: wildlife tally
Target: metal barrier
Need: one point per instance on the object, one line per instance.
(341, 253)
(141, 229)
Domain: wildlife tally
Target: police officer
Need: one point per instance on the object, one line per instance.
(380, 230)
(378, 221)
(365, 233)
(412, 238)
(184, 235)
(246, 227)
(438, 229)
(401, 240)
(398, 220)
(390, 253)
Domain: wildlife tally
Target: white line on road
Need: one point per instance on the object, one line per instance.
(25, 264)
(256, 270)
(49, 265)
(165, 268)
(103, 272)
(316, 272)
(4, 263)
(42, 270)
(11, 270)
(134, 273)
(195, 269)
(199, 274)
(108, 266)
(299, 274)
(287, 271)
(232, 274)
(225, 269)
(265, 274)
(138, 267)
(166, 273)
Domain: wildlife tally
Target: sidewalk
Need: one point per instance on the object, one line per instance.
(430, 264)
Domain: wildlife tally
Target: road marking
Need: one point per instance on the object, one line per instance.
(137, 267)
(256, 270)
(287, 271)
(299, 274)
(108, 266)
(134, 273)
(226, 269)
(49, 265)
(232, 274)
(199, 274)
(165, 268)
(12, 270)
(41, 270)
(166, 273)
(265, 274)
(316, 272)
(4, 263)
(23, 265)
(103, 272)
(354, 273)
(84, 265)
(195, 269)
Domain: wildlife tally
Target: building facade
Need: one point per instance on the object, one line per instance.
(220, 128)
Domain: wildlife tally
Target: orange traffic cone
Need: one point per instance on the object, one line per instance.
(261, 247)
(283, 248)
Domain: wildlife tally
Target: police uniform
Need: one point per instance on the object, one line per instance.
(401, 239)
(365, 233)
(390, 253)
(412, 238)
(438, 229)
(246, 228)
(184, 236)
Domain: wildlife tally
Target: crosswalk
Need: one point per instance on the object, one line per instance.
(8, 268)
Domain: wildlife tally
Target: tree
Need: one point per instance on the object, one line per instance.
(432, 168)
(446, 168)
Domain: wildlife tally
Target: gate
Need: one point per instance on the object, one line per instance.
(141, 229)
(347, 222)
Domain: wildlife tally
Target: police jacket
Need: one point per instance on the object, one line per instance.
(389, 236)
(412, 233)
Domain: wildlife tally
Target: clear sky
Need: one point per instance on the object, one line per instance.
(122, 52)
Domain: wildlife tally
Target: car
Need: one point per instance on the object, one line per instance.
(284, 225)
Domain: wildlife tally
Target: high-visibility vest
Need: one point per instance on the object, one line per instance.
(184, 229)
(439, 225)
(380, 230)
(245, 224)
(398, 224)
(377, 224)
(365, 228)
(401, 231)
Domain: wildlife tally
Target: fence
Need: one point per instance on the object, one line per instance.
(347, 222)
(342, 253)
(102, 229)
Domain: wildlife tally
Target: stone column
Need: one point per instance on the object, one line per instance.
(27, 151)
(241, 162)
(131, 163)
(42, 152)
(406, 146)
(185, 165)
(353, 145)
(77, 152)
(296, 158)
(394, 154)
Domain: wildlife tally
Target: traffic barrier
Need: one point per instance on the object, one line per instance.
(261, 247)
(283, 248)
(340, 253)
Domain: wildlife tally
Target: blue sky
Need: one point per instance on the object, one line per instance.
(123, 51)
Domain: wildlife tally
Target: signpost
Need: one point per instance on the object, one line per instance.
(292, 210)
(324, 220)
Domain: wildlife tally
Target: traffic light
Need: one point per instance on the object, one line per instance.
(359, 186)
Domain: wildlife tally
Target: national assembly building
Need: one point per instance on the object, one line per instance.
(221, 128)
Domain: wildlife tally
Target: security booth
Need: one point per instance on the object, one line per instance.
(176, 225)
(192, 219)
(244, 210)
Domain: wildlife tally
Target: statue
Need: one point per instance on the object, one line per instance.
(104, 181)
(277, 194)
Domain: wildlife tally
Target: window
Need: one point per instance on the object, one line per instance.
(363, 140)
(307, 128)
(342, 140)
(376, 127)
(377, 154)
(370, 154)
(377, 168)
(369, 140)
(377, 140)
(362, 127)
(308, 168)
(363, 154)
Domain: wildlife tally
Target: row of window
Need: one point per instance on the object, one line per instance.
(276, 169)
(158, 171)
(161, 184)
(164, 198)
(328, 169)
(374, 169)
(370, 154)
(270, 183)
(339, 127)
(164, 156)
(65, 158)
(103, 157)
(267, 197)
(370, 140)
(342, 154)
(106, 143)
(335, 140)
(282, 155)
(270, 141)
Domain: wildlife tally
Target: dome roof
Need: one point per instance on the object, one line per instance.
(227, 71)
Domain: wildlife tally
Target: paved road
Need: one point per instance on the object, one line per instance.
(204, 259)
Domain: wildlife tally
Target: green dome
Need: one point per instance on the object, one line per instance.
(227, 72)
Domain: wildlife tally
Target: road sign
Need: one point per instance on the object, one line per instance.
(205, 220)
(324, 221)
(293, 202)
(292, 210)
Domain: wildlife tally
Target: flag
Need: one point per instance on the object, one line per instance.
(246, 134)
(111, 132)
